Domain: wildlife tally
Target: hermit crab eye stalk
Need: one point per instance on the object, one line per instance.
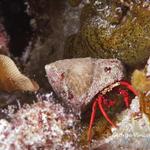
(100, 101)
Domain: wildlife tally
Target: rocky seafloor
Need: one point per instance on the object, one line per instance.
(38, 33)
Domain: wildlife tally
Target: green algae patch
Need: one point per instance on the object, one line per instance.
(112, 30)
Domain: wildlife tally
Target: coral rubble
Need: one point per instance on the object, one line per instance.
(42, 125)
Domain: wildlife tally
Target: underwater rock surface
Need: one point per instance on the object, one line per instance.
(113, 29)
(42, 125)
(107, 29)
(4, 40)
(52, 22)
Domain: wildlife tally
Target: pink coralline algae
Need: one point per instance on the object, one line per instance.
(42, 125)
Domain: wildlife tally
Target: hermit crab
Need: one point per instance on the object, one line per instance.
(80, 82)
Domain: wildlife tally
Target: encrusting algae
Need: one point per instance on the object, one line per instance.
(113, 29)
(43, 125)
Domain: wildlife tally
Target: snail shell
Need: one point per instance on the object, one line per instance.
(11, 79)
(76, 81)
(78, 77)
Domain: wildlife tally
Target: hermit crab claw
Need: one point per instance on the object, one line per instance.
(100, 100)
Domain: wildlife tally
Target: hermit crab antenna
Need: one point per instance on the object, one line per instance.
(92, 120)
(125, 97)
(126, 84)
(100, 101)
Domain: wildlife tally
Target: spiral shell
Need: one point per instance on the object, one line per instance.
(11, 79)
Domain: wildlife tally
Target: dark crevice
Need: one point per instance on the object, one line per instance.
(17, 24)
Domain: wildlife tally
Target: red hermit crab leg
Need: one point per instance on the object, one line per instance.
(92, 119)
(100, 101)
(125, 97)
(126, 84)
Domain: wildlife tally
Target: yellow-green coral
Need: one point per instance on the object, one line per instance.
(110, 29)
(141, 82)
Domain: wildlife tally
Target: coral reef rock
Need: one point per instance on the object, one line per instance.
(52, 22)
(42, 125)
(78, 80)
(113, 29)
(4, 41)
